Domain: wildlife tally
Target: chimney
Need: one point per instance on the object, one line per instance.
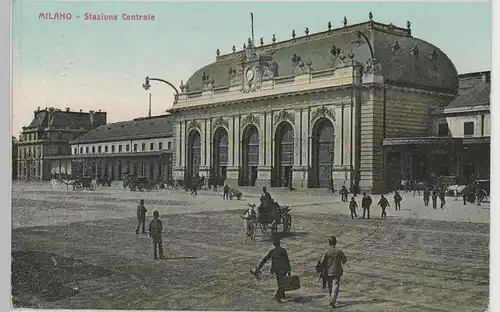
(92, 120)
(486, 77)
(50, 114)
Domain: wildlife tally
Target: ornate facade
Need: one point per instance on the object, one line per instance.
(48, 136)
(310, 111)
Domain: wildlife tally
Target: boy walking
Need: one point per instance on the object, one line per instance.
(141, 217)
(155, 229)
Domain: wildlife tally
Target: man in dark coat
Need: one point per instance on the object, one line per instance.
(280, 265)
(141, 217)
(442, 198)
(352, 207)
(332, 261)
(383, 203)
(397, 200)
(344, 193)
(366, 202)
(155, 229)
(434, 198)
(427, 195)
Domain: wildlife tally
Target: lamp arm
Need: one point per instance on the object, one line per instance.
(164, 81)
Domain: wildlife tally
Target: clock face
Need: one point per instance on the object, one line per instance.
(250, 74)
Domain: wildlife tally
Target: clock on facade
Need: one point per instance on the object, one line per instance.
(250, 74)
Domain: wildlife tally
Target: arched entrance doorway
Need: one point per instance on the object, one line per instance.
(322, 153)
(220, 153)
(250, 155)
(193, 154)
(284, 141)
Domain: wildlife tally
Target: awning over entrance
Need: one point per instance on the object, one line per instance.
(418, 141)
(132, 154)
(434, 141)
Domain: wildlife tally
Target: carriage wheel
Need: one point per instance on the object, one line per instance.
(287, 223)
(92, 187)
(141, 188)
(263, 227)
(78, 186)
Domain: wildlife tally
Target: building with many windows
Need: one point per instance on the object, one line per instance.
(457, 147)
(141, 147)
(311, 110)
(47, 136)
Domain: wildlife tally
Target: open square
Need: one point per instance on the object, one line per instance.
(79, 250)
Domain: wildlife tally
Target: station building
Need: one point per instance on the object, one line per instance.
(312, 110)
(142, 147)
(457, 147)
(44, 143)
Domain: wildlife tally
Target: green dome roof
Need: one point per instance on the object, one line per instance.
(404, 60)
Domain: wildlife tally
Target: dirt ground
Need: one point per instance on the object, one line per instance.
(79, 250)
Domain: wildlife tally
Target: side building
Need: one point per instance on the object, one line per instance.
(48, 136)
(14, 158)
(141, 147)
(457, 149)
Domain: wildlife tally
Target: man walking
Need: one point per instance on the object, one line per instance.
(141, 217)
(344, 193)
(194, 186)
(434, 198)
(332, 261)
(225, 192)
(366, 202)
(155, 229)
(352, 207)
(280, 265)
(397, 200)
(442, 198)
(383, 203)
(427, 195)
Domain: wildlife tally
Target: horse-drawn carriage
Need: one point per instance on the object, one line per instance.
(84, 183)
(270, 217)
(137, 183)
(234, 193)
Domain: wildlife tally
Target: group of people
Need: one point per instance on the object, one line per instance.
(329, 267)
(366, 203)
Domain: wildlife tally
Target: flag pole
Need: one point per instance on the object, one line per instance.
(253, 39)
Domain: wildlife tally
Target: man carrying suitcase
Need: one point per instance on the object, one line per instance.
(332, 261)
(280, 265)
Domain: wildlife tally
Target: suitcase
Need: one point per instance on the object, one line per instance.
(292, 283)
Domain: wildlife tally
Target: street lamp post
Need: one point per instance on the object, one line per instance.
(146, 85)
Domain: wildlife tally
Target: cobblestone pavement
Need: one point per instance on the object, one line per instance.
(62, 240)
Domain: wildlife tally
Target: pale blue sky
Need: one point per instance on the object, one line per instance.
(102, 64)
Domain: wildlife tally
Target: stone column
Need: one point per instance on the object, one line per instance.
(232, 168)
(231, 139)
(179, 143)
(237, 141)
(265, 150)
(209, 145)
(269, 141)
(203, 144)
(262, 140)
(298, 170)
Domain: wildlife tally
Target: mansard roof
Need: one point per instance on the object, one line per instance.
(404, 60)
(138, 128)
(66, 119)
